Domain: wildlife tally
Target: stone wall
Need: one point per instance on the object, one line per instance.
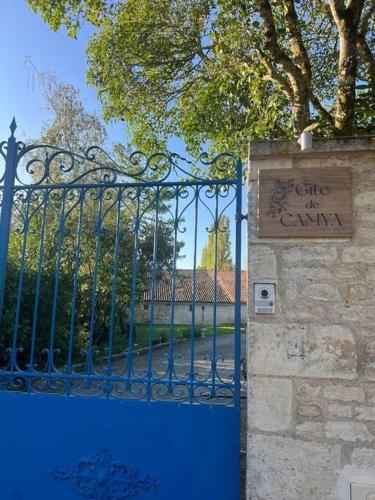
(182, 313)
(311, 400)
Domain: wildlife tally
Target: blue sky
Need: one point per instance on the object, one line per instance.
(23, 34)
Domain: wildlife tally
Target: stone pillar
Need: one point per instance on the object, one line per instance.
(311, 365)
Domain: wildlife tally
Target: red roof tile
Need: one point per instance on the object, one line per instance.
(204, 287)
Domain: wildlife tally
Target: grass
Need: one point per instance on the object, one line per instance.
(161, 335)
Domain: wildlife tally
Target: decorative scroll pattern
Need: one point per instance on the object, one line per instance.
(87, 237)
(50, 165)
(101, 477)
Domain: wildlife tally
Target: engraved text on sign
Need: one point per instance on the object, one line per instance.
(315, 203)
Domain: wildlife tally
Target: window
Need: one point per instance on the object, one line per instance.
(190, 308)
(145, 307)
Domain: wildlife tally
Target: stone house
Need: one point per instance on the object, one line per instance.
(204, 298)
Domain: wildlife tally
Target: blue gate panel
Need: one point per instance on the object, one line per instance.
(97, 401)
(61, 448)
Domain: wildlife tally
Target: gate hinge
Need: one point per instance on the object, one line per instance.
(241, 217)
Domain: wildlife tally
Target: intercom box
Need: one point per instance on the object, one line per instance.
(265, 298)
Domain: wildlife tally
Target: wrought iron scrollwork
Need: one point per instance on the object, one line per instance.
(86, 234)
(46, 164)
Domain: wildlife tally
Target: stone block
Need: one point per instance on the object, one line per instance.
(364, 200)
(356, 292)
(370, 274)
(339, 411)
(313, 253)
(330, 352)
(364, 413)
(366, 355)
(348, 431)
(307, 392)
(371, 394)
(263, 263)
(307, 311)
(346, 272)
(341, 392)
(309, 411)
(364, 235)
(363, 457)
(270, 404)
(323, 291)
(311, 431)
(358, 254)
(367, 218)
(291, 469)
(361, 315)
(268, 351)
(304, 293)
(306, 275)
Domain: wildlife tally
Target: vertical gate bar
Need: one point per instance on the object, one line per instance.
(237, 311)
(57, 284)
(153, 290)
(114, 290)
(173, 296)
(37, 288)
(6, 208)
(73, 307)
(20, 283)
(214, 333)
(134, 284)
(98, 231)
(194, 291)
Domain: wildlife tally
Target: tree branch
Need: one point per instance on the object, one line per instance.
(300, 101)
(346, 20)
(363, 24)
(366, 55)
(301, 56)
(321, 109)
(275, 76)
(296, 42)
(364, 51)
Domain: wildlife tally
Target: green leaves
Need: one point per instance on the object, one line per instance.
(206, 70)
(71, 13)
(218, 240)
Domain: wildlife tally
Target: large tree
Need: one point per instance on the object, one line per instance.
(69, 125)
(65, 239)
(227, 70)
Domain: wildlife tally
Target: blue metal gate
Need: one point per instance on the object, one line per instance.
(94, 402)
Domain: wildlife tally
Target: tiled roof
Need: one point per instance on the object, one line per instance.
(204, 287)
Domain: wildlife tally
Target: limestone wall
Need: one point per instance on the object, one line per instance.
(182, 313)
(311, 405)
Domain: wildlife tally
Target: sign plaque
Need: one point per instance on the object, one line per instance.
(305, 203)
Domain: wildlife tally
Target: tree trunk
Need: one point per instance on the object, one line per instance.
(301, 108)
(347, 20)
(297, 76)
(344, 117)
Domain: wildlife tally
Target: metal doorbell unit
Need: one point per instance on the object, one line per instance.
(265, 298)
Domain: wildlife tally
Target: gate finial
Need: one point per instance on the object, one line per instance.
(13, 126)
